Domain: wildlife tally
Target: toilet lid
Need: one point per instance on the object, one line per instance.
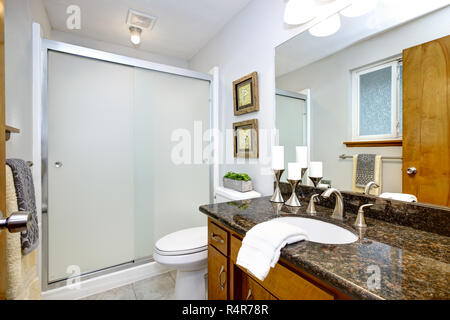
(183, 242)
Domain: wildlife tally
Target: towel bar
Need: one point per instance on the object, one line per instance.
(16, 222)
(344, 156)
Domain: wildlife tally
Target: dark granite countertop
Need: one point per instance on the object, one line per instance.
(413, 264)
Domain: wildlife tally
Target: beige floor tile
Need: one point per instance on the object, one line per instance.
(121, 293)
(161, 287)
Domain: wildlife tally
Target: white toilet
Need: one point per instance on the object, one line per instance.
(187, 252)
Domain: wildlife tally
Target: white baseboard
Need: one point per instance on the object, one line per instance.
(105, 282)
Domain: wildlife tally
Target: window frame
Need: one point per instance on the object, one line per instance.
(395, 64)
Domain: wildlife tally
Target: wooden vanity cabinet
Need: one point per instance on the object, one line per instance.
(226, 280)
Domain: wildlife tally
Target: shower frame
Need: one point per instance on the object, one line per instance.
(51, 45)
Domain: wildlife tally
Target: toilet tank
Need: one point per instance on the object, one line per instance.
(225, 195)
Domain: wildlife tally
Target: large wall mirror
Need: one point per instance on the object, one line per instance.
(372, 102)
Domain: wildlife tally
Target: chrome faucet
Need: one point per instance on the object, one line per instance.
(369, 186)
(338, 212)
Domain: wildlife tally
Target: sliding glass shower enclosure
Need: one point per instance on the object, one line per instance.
(125, 149)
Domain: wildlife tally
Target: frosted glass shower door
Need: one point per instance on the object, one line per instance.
(291, 123)
(172, 180)
(90, 165)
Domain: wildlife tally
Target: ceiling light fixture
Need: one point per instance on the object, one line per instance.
(135, 35)
(299, 11)
(327, 27)
(359, 8)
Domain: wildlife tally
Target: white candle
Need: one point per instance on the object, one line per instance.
(294, 171)
(302, 156)
(277, 157)
(316, 169)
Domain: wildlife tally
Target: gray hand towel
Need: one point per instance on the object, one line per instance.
(365, 169)
(26, 201)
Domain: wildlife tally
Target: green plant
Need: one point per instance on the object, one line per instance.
(237, 176)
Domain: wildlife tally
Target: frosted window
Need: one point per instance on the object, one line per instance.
(375, 98)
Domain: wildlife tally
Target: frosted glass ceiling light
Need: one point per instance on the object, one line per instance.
(327, 27)
(299, 11)
(135, 35)
(359, 8)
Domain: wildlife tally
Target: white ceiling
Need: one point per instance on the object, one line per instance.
(182, 29)
(305, 49)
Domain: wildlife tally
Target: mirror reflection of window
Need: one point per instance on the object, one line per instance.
(377, 101)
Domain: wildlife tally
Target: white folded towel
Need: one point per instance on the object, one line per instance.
(262, 244)
(399, 196)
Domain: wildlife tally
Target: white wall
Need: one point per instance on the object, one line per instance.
(330, 84)
(117, 49)
(19, 15)
(247, 44)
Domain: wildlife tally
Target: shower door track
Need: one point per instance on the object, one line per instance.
(51, 45)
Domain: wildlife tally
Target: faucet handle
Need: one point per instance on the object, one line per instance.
(360, 221)
(311, 206)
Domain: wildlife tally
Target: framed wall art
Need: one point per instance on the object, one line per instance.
(245, 94)
(246, 139)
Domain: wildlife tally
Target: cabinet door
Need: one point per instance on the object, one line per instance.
(251, 290)
(217, 275)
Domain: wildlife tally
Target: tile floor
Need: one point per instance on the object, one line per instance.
(161, 287)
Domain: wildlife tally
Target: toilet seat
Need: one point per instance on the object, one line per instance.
(183, 242)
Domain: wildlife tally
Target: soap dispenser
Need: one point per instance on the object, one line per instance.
(360, 222)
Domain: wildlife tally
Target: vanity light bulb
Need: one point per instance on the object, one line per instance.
(299, 11)
(327, 27)
(359, 8)
(135, 34)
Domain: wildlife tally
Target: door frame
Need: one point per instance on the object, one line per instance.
(3, 273)
(42, 48)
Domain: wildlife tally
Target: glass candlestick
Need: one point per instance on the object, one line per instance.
(315, 180)
(293, 200)
(277, 197)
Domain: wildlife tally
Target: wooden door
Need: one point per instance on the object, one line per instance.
(2, 153)
(217, 275)
(426, 121)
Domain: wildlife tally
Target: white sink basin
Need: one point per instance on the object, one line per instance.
(321, 232)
